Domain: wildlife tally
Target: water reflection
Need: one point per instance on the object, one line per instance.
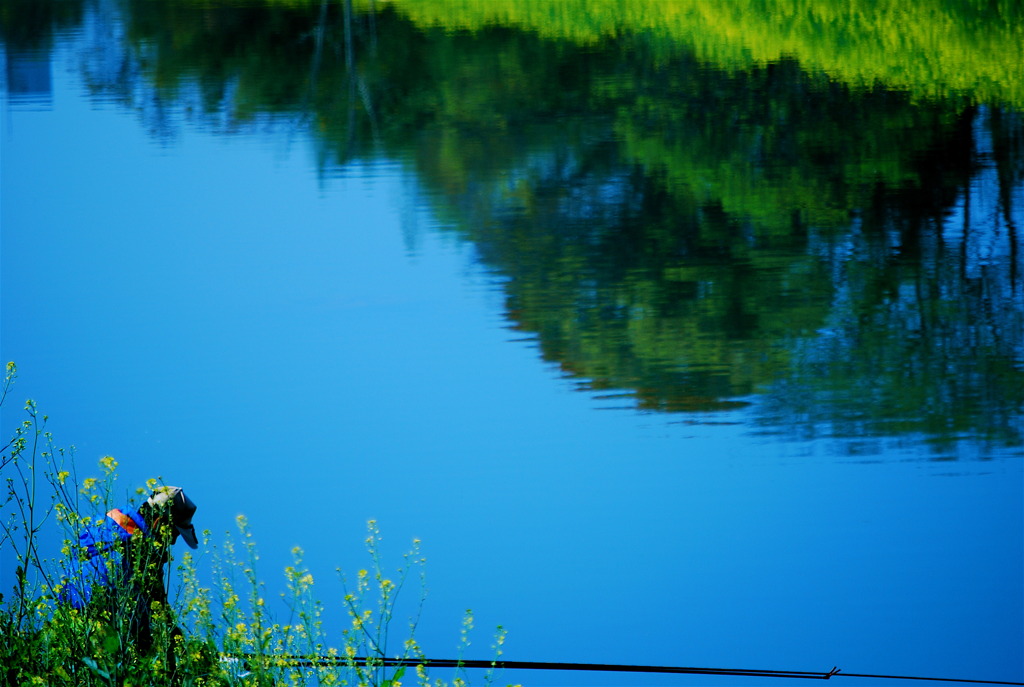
(28, 78)
(693, 236)
(26, 31)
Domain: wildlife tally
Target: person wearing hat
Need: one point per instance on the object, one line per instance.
(172, 503)
(120, 571)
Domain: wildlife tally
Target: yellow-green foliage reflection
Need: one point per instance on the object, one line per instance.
(930, 47)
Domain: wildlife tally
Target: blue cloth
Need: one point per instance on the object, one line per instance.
(101, 560)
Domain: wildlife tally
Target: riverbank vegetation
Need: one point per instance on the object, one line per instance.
(219, 630)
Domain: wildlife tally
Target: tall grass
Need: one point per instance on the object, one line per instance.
(218, 633)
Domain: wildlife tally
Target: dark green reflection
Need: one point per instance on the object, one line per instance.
(845, 257)
(31, 24)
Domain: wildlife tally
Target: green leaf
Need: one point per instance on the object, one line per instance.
(394, 678)
(111, 643)
(92, 665)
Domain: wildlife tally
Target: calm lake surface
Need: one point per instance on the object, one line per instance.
(679, 335)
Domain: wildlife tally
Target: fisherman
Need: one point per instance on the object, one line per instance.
(120, 572)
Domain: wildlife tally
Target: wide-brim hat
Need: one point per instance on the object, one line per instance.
(182, 509)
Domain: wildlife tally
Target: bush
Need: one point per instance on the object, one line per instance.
(219, 635)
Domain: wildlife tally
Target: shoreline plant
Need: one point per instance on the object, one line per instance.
(219, 633)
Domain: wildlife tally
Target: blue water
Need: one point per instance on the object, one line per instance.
(317, 351)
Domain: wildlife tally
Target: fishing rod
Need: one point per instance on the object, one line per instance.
(315, 661)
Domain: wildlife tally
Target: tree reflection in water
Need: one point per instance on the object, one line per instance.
(699, 236)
